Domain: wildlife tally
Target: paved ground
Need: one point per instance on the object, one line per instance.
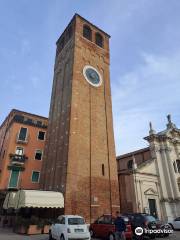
(6, 234)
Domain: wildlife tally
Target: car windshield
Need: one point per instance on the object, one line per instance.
(150, 218)
(76, 221)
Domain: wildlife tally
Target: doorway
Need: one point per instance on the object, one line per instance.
(152, 207)
(13, 183)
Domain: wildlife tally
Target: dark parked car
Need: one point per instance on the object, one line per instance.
(144, 221)
(104, 227)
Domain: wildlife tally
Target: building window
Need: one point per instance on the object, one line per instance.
(178, 182)
(19, 150)
(103, 170)
(38, 155)
(99, 40)
(87, 33)
(22, 134)
(178, 165)
(130, 164)
(41, 135)
(35, 177)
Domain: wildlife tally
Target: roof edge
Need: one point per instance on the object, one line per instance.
(133, 153)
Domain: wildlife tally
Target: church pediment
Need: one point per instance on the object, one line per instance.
(147, 167)
(150, 191)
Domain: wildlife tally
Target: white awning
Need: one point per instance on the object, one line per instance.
(34, 199)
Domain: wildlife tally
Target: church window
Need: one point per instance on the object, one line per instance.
(178, 182)
(178, 165)
(174, 165)
(87, 32)
(130, 164)
(99, 40)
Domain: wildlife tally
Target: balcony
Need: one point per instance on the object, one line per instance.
(17, 159)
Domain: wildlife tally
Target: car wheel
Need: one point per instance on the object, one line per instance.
(50, 236)
(111, 236)
(92, 233)
(62, 237)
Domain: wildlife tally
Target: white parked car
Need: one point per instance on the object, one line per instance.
(175, 224)
(69, 227)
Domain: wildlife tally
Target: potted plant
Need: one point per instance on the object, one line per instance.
(35, 226)
(28, 226)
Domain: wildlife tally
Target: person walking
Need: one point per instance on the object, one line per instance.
(120, 227)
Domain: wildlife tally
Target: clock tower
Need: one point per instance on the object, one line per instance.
(79, 157)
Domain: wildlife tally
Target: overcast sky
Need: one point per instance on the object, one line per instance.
(145, 59)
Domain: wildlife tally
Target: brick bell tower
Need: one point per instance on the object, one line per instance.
(79, 157)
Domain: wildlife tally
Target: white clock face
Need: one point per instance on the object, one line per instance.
(92, 76)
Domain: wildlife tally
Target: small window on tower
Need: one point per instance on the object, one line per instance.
(99, 40)
(87, 33)
(103, 170)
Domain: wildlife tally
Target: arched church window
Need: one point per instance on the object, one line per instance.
(87, 32)
(130, 164)
(178, 182)
(99, 40)
(178, 165)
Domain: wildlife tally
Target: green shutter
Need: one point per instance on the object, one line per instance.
(14, 179)
(35, 177)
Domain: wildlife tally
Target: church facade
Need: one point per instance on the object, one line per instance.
(151, 175)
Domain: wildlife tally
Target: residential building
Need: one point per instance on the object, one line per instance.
(22, 139)
(149, 179)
